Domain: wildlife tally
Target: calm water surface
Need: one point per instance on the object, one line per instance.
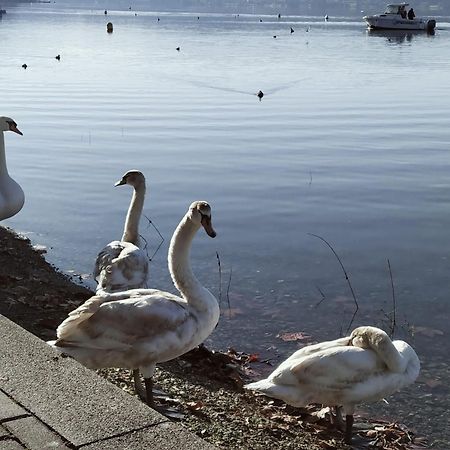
(350, 142)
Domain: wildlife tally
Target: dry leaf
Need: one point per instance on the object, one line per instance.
(296, 336)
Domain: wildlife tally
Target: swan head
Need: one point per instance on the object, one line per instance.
(8, 124)
(368, 337)
(133, 178)
(200, 213)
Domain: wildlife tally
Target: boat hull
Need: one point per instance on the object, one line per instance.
(382, 22)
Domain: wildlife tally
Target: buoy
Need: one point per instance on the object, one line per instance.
(292, 30)
(260, 94)
(177, 49)
(106, 12)
(109, 27)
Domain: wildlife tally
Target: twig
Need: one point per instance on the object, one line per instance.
(146, 244)
(220, 278)
(394, 306)
(346, 277)
(322, 299)
(228, 288)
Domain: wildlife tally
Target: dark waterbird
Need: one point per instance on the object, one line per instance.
(58, 57)
(260, 94)
(24, 66)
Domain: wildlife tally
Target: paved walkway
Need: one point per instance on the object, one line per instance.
(48, 401)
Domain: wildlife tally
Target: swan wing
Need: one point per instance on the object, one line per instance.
(123, 320)
(121, 266)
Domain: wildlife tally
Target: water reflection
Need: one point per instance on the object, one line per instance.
(399, 36)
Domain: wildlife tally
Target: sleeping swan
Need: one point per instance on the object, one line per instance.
(139, 328)
(364, 367)
(122, 265)
(12, 197)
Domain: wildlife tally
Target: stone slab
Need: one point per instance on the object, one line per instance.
(34, 434)
(9, 409)
(10, 444)
(78, 404)
(3, 432)
(166, 436)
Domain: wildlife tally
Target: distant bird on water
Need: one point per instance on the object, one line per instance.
(58, 57)
(106, 12)
(260, 95)
(274, 36)
(24, 66)
(292, 30)
(178, 49)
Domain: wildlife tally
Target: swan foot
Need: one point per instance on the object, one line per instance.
(348, 428)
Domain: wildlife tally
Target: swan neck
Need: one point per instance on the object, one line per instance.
(179, 259)
(131, 228)
(3, 168)
(387, 351)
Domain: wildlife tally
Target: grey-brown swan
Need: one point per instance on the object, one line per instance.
(139, 328)
(363, 367)
(12, 197)
(122, 265)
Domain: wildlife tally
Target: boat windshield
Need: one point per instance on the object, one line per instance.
(395, 9)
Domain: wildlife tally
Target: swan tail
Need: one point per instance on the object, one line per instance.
(263, 386)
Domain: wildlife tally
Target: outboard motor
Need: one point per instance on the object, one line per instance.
(431, 24)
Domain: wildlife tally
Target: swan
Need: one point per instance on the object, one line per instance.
(122, 265)
(12, 197)
(139, 328)
(363, 367)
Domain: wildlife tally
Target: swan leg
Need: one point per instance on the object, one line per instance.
(348, 428)
(149, 392)
(337, 420)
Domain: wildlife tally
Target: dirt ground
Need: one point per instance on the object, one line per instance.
(204, 387)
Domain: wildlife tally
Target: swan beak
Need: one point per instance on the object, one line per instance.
(207, 225)
(121, 182)
(15, 129)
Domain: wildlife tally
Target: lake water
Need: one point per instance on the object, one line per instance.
(350, 142)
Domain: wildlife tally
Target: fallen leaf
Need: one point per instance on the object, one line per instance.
(296, 336)
(429, 332)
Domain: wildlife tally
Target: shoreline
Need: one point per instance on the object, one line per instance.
(204, 386)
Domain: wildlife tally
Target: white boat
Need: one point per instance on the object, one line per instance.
(395, 17)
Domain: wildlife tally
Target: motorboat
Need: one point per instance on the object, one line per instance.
(395, 17)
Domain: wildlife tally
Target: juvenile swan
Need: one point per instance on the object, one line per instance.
(122, 265)
(12, 197)
(363, 367)
(139, 328)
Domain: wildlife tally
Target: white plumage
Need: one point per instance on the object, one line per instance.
(363, 367)
(122, 265)
(139, 328)
(12, 197)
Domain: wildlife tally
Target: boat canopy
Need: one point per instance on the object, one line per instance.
(396, 8)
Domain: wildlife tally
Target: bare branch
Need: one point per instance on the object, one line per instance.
(150, 222)
(346, 277)
(394, 305)
(220, 278)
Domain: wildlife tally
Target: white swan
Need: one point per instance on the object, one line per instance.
(139, 328)
(12, 197)
(122, 265)
(363, 367)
